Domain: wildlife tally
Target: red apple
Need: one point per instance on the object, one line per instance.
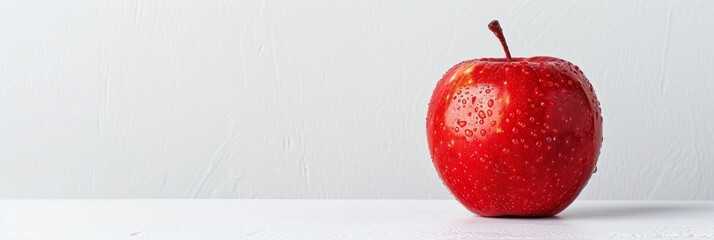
(514, 136)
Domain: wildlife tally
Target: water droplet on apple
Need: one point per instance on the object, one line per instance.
(490, 103)
(480, 121)
(473, 100)
(548, 139)
(463, 101)
(468, 133)
(515, 130)
(456, 129)
(483, 132)
(488, 90)
(518, 111)
(461, 123)
(514, 141)
(489, 113)
(506, 150)
(538, 143)
(549, 84)
(532, 119)
(481, 114)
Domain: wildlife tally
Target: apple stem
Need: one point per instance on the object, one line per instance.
(495, 27)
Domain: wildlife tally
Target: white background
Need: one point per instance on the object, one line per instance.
(326, 99)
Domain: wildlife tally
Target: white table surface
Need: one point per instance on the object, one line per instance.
(342, 219)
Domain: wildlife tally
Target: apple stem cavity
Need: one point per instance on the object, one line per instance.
(495, 27)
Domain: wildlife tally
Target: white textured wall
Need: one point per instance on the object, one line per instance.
(325, 99)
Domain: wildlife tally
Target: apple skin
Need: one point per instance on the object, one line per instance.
(514, 138)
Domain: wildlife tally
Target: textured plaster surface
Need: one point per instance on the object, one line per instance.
(326, 99)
